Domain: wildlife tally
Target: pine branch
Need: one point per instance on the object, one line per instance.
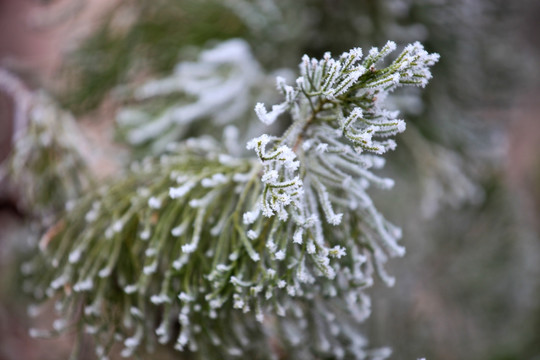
(196, 235)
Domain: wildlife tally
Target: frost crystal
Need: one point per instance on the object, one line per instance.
(154, 203)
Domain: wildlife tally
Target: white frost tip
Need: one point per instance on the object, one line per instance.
(103, 273)
(180, 191)
(185, 297)
(321, 148)
(337, 252)
(59, 324)
(215, 180)
(136, 312)
(250, 217)
(311, 247)
(391, 45)
(150, 269)
(59, 281)
(260, 141)
(222, 268)
(401, 126)
(357, 52)
(74, 256)
(297, 237)
(83, 285)
(387, 183)
(70, 205)
(280, 255)
(189, 248)
(255, 257)
(269, 117)
(117, 226)
(271, 273)
(160, 299)
(150, 252)
(263, 115)
(335, 219)
(177, 231)
(130, 289)
(91, 216)
(154, 202)
(145, 234)
(131, 342)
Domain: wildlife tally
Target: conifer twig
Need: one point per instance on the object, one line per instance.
(197, 235)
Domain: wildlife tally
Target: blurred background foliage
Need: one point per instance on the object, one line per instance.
(467, 172)
(140, 36)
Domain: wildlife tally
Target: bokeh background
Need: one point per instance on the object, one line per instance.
(467, 170)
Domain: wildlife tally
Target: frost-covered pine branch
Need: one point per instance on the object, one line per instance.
(280, 246)
(338, 125)
(216, 90)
